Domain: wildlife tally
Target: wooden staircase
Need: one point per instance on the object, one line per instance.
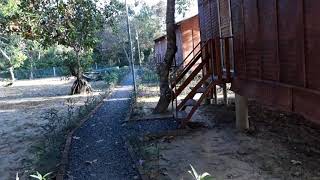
(212, 69)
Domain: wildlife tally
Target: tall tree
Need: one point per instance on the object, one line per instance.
(12, 50)
(164, 68)
(147, 26)
(72, 23)
(11, 43)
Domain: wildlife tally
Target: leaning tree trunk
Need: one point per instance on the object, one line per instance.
(164, 67)
(80, 85)
(11, 69)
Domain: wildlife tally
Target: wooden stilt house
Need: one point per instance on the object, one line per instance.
(267, 50)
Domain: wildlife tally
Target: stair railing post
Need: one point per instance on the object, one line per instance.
(213, 69)
(218, 59)
(210, 69)
(206, 67)
(175, 88)
(227, 58)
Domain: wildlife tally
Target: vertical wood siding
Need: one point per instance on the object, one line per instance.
(277, 40)
(209, 21)
(224, 18)
(312, 43)
(277, 56)
(239, 38)
(291, 43)
(188, 36)
(268, 43)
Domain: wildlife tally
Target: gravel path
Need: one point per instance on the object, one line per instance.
(97, 150)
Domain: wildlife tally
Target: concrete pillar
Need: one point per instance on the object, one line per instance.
(242, 121)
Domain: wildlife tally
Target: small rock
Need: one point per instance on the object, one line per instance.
(99, 141)
(141, 162)
(135, 177)
(242, 152)
(91, 162)
(296, 174)
(75, 137)
(295, 162)
(229, 176)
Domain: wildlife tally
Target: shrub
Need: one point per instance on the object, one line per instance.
(148, 75)
(115, 75)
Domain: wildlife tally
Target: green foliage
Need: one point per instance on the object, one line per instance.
(146, 22)
(50, 57)
(147, 75)
(12, 52)
(72, 23)
(55, 129)
(183, 6)
(70, 60)
(196, 176)
(41, 177)
(9, 11)
(115, 75)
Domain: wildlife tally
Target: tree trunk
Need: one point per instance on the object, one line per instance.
(164, 67)
(12, 74)
(11, 68)
(80, 85)
(31, 70)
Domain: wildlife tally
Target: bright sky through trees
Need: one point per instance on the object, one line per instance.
(193, 7)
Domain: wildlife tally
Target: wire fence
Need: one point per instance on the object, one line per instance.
(148, 76)
(50, 72)
(36, 73)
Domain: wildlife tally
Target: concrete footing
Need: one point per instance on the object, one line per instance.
(242, 121)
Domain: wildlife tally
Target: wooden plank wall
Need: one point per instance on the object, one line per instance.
(209, 20)
(276, 50)
(190, 36)
(160, 48)
(224, 18)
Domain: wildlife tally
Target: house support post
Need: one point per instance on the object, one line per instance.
(242, 121)
(225, 94)
(215, 97)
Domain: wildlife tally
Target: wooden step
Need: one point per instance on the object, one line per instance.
(195, 107)
(181, 115)
(210, 79)
(190, 102)
(193, 92)
(189, 79)
(201, 90)
(184, 71)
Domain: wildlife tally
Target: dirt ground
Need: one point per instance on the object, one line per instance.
(278, 146)
(148, 96)
(21, 109)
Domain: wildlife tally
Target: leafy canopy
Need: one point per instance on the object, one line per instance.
(73, 23)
